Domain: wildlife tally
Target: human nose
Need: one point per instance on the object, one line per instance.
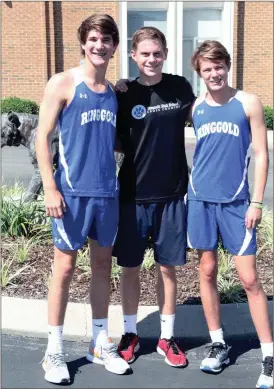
(214, 73)
(99, 44)
(151, 58)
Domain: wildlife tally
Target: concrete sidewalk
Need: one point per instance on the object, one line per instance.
(29, 318)
(190, 137)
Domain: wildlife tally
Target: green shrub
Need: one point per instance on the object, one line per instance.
(268, 113)
(17, 104)
(24, 219)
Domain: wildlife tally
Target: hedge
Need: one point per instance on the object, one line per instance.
(268, 113)
(17, 104)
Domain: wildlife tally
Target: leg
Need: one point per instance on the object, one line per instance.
(102, 350)
(56, 370)
(246, 267)
(130, 294)
(129, 248)
(63, 269)
(166, 289)
(101, 261)
(203, 235)
(169, 236)
(68, 237)
(208, 288)
(130, 290)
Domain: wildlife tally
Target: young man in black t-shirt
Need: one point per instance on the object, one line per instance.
(153, 182)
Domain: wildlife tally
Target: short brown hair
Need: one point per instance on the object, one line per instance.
(148, 33)
(211, 50)
(104, 24)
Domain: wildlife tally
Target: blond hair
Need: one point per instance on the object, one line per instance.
(148, 33)
(210, 50)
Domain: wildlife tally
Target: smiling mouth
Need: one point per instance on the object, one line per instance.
(99, 54)
(216, 81)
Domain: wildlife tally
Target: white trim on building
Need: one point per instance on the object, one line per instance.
(174, 30)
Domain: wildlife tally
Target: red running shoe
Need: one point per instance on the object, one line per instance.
(128, 345)
(170, 350)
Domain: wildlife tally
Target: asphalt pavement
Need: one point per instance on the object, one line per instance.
(21, 369)
(17, 167)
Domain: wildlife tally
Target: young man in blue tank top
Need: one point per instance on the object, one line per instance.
(225, 121)
(81, 198)
(153, 182)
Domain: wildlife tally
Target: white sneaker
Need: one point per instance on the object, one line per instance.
(266, 378)
(107, 355)
(216, 359)
(56, 368)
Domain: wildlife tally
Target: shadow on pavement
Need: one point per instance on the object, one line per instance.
(191, 332)
(74, 368)
(240, 346)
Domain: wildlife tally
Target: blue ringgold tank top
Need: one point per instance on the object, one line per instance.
(87, 131)
(222, 153)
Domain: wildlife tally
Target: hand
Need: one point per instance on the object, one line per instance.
(253, 216)
(121, 85)
(55, 204)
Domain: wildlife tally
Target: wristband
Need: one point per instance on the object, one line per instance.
(257, 202)
(259, 206)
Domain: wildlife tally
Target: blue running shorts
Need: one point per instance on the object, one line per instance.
(164, 223)
(206, 221)
(93, 217)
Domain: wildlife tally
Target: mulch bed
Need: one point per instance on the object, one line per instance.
(33, 282)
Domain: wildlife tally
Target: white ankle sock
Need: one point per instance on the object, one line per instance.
(100, 331)
(217, 336)
(167, 326)
(267, 349)
(130, 323)
(55, 340)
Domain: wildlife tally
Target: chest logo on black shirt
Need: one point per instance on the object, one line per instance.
(139, 112)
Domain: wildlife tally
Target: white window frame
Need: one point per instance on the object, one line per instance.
(174, 29)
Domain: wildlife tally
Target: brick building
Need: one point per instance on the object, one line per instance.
(39, 39)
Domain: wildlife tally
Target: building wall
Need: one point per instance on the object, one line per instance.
(253, 49)
(24, 68)
(29, 59)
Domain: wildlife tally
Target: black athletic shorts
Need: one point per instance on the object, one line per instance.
(164, 223)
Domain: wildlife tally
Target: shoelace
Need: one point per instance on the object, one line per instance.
(126, 340)
(173, 345)
(215, 349)
(268, 366)
(57, 360)
(111, 350)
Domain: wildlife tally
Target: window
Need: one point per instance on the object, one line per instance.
(135, 21)
(198, 26)
(185, 25)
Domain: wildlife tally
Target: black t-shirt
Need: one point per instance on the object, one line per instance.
(150, 125)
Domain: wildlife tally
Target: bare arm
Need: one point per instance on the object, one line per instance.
(259, 144)
(51, 105)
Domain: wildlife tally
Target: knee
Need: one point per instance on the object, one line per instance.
(208, 270)
(63, 271)
(130, 274)
(101, 267)
(166, 272)
(250, 282)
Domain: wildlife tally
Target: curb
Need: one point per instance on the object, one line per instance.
(28, 317)
(190, 136)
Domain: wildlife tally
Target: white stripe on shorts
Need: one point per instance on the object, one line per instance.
(247, 240)
(188, 242)
(60, 227)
